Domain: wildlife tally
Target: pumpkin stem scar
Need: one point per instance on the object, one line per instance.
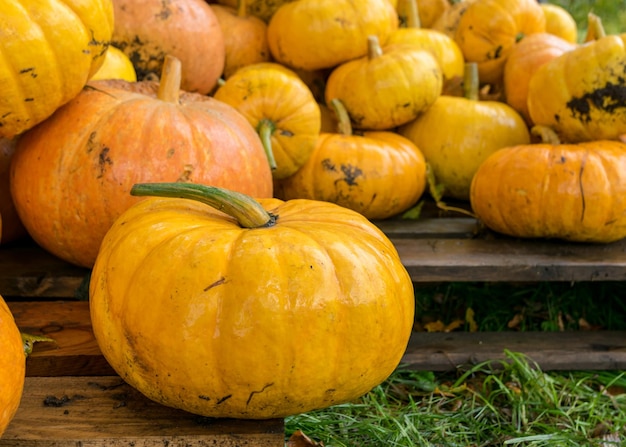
(257, 392)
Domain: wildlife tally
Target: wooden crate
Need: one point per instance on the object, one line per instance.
(73, 398)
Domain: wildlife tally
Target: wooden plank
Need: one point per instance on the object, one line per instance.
(510, 260)
(591, 350)
(28, 270)
(574, 350)
(106, 412)
(68, 323)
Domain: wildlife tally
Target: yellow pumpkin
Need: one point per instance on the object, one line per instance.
(559, 22)
(445, 50)
(116, 66)
(12, 366)
(581, 94)
(488, 29)
(457, 133)
(388, 87)
(283, 110)
(376, 173)
(318, 34)
(265, 310)
(49, 50)
(574, 192)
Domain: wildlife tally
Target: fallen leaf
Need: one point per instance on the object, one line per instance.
(469, 319)
(299, 439)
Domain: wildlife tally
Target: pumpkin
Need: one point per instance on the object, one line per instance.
(12, 366)
(574, 192)
(270, 308)
(318, 34)
(524, 59)
(428, 11)
(376, 173)
(387, 88)
(560, 22)
(289, 127)
(149, 30)
(457, 133)
(443, 48)
(263, 9)
(116, 66)
(582, 93)
(448, 21)
(488, 29)
(49, 51)
(245, 37)
(12, 228)
(68, 194)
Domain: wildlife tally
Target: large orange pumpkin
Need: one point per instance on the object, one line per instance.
(12, 366)
(71, 175)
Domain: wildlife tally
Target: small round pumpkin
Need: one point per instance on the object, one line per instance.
(445, 50)
(559, 22)
(49, 50)
(524, 59)
(245, 37)
(149, 30)
(12, 366)
(376, 173)
(264, 310)
(68, 194)
(582, 93)
(488, 29)
(457, 133)
(281, 107)
(388, 87)
(318, 34)
(574, 192)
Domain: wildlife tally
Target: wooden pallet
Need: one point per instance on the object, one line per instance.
(73, 398)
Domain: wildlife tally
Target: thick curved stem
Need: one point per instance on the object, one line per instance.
(248, 212)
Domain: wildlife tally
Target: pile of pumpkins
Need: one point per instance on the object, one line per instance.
(279, 130)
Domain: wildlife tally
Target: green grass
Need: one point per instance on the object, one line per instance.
(612, 13)
(516, 405)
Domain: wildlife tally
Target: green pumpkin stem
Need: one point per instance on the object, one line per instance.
(471, 81)
(265, 129)
(344, 126)
(248, 212)
(169, 84)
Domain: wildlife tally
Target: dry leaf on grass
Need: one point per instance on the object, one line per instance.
(299, 439)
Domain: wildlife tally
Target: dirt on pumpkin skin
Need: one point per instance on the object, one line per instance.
(609, 98)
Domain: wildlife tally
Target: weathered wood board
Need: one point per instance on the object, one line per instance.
(106, 412)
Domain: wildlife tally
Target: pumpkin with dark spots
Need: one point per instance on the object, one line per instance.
(67, 194)
(582, 93)
(377, 173)
(49, 51)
